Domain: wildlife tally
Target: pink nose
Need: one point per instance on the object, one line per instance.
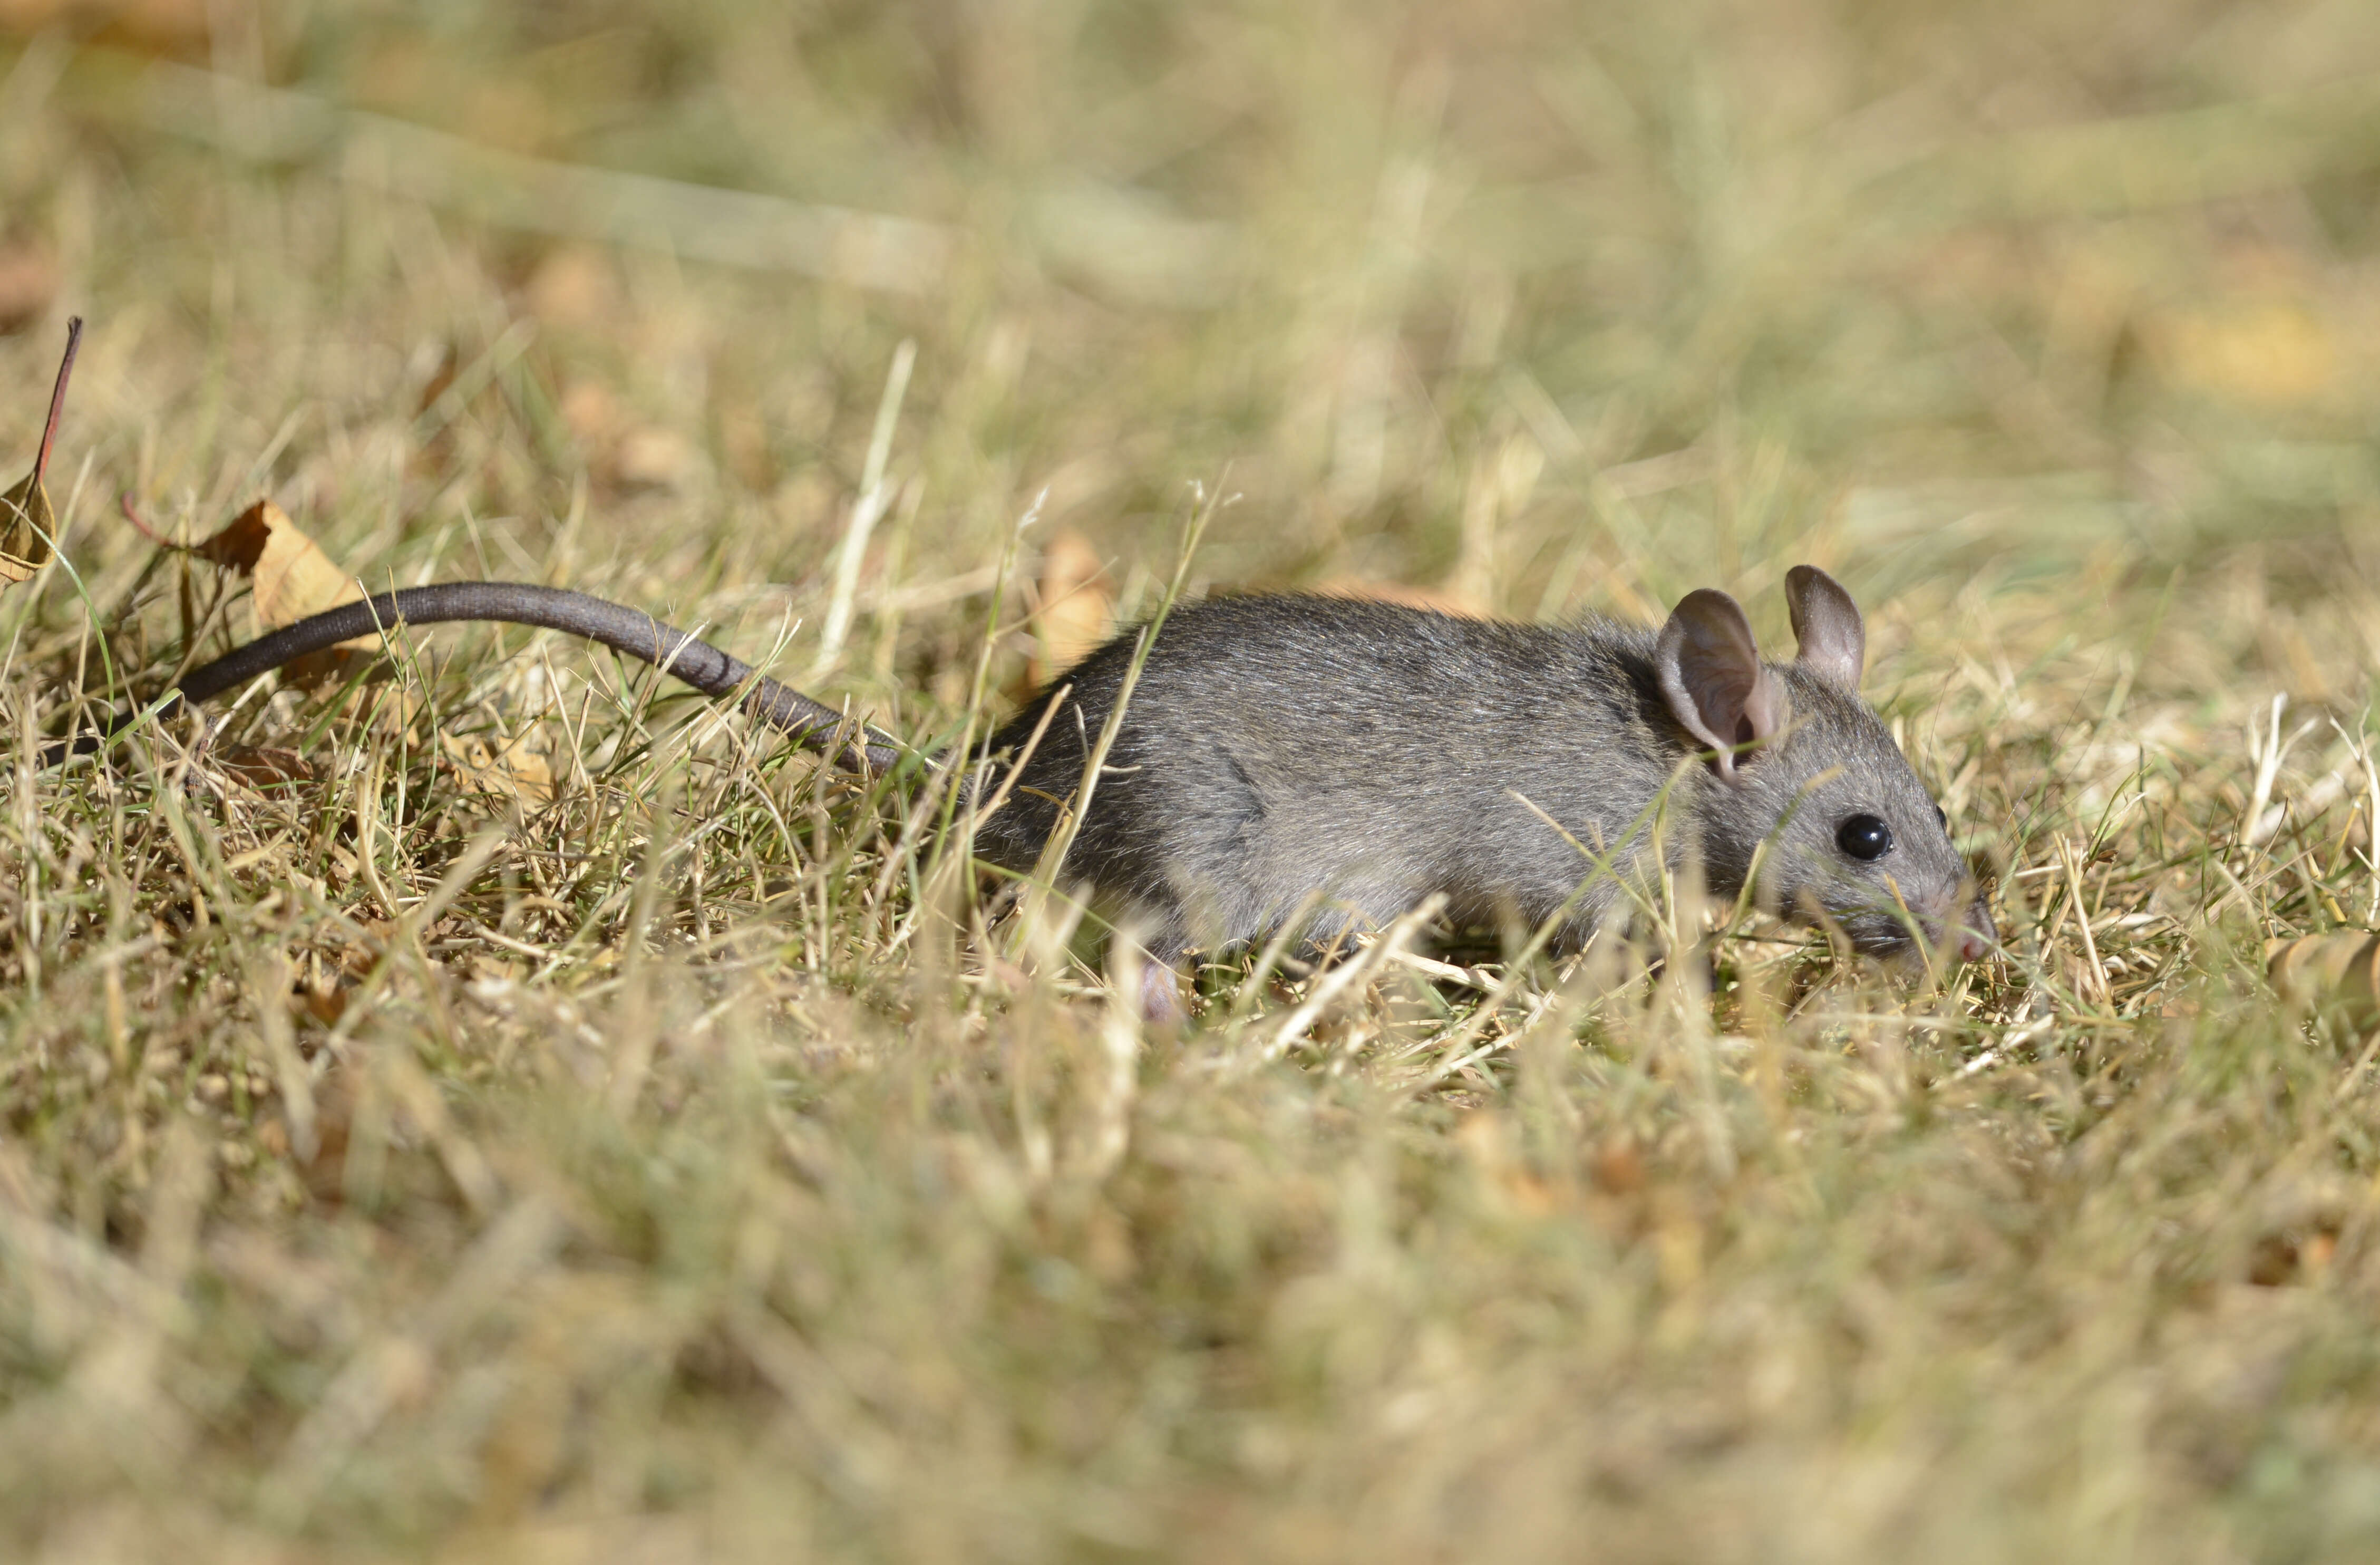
(1977, 937)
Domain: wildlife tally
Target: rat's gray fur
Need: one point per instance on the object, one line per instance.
(1283, 750)
(1277, 748)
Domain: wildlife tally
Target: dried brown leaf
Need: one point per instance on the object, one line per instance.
(28, 526)
(2269, 352)
(29, 283)
(263, 767)
(173, 28)
(1077, 606)
(292, 579)
(515, 769)
(2341, 968)
(575, 284)
(1462, 606)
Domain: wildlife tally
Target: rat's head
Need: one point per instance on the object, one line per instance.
(1802, 765)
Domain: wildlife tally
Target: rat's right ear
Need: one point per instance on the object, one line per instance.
(1711, 675)
(1827, 624)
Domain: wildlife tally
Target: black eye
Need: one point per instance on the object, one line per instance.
(1942, 816)
(1863, 837)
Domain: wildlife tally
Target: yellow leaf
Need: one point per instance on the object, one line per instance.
(2274, 352)
(512, 768)
(1076, 609)
(1462, 606)
(26, 528)
(27, 523)
(2339, 970)
(293, 578)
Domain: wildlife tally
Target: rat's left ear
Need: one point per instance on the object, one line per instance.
(1827, 624)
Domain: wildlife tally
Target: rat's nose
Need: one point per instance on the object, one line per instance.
(1977, 937)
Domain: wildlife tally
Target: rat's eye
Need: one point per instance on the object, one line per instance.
(1863, 837)
(1943, 816)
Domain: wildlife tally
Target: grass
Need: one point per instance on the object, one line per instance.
(394, 1165)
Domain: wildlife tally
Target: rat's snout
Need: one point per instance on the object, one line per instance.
(1976, 936)
(1967, 937)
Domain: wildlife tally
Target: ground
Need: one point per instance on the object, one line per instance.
(501, 1107)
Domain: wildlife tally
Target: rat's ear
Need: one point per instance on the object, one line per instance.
(1710, 673)
(1827, 624)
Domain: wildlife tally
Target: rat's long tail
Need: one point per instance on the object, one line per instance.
(627, 630)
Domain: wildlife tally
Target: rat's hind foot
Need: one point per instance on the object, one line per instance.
(1161, 994)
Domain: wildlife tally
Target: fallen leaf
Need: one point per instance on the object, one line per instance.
(2274, 352)
(438, 443)
(325, 1003)
(29, 284)
(1460, 605)
(1076, 606)
(441, 380)
(1617, 1168)
(2278, 1259)
(27, 523)
(263, 767)
(293, 578)
(2341, 968)
(335, 1118)
(651, 457)
(590, 414)
(176, 27)
(515, 769)
(575, 286)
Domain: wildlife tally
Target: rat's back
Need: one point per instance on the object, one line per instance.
(1280, 748)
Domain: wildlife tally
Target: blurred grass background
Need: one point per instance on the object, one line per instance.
(392, 1169)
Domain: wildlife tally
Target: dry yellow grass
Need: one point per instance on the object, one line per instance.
(691, 1166)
